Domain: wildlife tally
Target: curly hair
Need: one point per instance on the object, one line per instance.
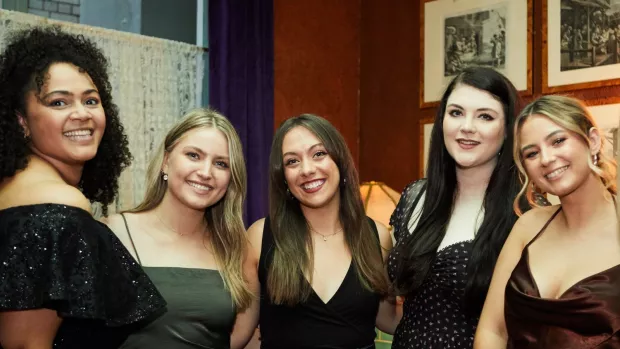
(23, 68)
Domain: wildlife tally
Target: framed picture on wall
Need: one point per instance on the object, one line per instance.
(582, 47)
(455, 34)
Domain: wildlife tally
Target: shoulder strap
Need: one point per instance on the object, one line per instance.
(544, 227)
(131, 239)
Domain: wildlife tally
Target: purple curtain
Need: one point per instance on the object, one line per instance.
(241, 85)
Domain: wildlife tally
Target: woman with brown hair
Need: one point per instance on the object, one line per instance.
(320, 260)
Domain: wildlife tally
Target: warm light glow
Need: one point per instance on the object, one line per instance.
(379, 201)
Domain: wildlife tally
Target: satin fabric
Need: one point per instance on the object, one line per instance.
(585, 316)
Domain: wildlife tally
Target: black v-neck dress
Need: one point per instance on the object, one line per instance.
(347, 320)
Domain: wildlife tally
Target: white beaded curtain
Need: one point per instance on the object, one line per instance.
(154, 82)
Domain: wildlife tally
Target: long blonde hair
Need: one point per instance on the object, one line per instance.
(571, 114)
(224, 219)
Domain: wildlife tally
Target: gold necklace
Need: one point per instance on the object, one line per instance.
(325, 237)
(167, 226)
(170, 228)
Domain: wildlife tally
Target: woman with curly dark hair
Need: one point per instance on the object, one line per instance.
(66, 281)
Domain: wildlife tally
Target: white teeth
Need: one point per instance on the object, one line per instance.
(556, 172)
(468, 142)
(78, 133)
(313, 185)
(199, 186)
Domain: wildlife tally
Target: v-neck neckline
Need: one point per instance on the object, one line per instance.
(338, 291)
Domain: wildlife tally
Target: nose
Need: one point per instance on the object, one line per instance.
(546, 156)
(307, 168)
(468, 125)
(205, 171)
(81, 112)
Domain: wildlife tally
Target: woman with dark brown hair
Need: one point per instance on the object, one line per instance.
(320, 259)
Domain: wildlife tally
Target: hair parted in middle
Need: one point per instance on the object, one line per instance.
(225, 218)
(292, 256)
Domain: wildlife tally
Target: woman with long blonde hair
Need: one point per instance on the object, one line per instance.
(557, 280)
(189, 237)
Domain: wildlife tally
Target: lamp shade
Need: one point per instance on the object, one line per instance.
(379, 200)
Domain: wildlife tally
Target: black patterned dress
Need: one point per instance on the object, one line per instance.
(433, 318)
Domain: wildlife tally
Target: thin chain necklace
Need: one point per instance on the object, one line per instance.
(325, 237)
(168, 227)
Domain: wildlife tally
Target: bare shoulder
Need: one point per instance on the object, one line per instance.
(47, 192)
(116, 223)
(255, 236)
(384, 234)
(530, 223)
(255, 231)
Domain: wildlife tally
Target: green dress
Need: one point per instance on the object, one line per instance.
(200, 311)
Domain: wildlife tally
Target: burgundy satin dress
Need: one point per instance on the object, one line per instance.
(585, 316)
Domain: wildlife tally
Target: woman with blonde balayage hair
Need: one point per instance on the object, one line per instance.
(557, 280)
(188, 235)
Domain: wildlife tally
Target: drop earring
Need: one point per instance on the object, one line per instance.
(595, 159)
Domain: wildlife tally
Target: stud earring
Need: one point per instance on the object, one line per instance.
(165, 177)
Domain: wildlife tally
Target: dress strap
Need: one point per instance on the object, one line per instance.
(131, 239)
(544, 227)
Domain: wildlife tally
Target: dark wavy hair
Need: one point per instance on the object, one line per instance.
(293, 255)
(420, 248)
(23, 68)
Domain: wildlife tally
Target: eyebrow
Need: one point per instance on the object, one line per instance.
(293, 153)
(198, 150)
(546, 138)
(67, 93)
(479, 109)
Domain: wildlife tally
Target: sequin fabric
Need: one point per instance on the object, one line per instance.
(59, 257)
(433, 318)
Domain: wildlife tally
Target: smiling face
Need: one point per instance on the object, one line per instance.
(66, 121)
(473, 127)
(312, 175)
(198, 168)
(556, 160)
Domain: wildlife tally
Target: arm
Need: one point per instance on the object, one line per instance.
(28, 329)
(491, 332)
(387, 317)
(247, 321)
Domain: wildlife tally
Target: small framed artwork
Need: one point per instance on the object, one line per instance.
(581, 44)
(455, 34)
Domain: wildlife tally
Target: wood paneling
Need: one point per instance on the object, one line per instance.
(317, 63)
(389, 107)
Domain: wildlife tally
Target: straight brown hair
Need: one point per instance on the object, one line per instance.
(292, 257)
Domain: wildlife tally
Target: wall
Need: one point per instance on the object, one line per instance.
(389, 88)
(64, 10)
(316, 63)
(355, 63)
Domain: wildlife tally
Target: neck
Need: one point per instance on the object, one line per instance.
(589, 203)
(324, 220)
(178, 218)
(70, 174)
(472, 182)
